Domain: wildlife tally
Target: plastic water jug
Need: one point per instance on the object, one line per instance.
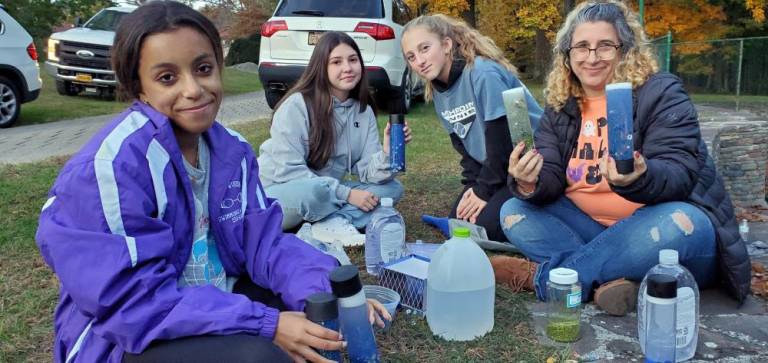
(384, 237)
(687, 311)
(461, 289)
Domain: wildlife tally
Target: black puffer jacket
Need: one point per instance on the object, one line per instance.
(666, 133)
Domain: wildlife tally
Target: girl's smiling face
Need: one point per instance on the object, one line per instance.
(427, 54)
(344, 70)
(180, 77)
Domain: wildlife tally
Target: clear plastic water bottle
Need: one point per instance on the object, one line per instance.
(744, 230)
(687, 326)
(461, 289)
(384, 237)
(660, 321)
(353, 315)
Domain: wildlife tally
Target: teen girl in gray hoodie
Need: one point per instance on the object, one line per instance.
(324, 132)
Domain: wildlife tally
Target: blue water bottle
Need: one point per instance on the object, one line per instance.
(620, 146)
(660, 331)
(321, 309)
(353, 315)
(397, 142)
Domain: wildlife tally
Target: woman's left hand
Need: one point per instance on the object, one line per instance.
(608, 169)
(376, 311)
(406, 131)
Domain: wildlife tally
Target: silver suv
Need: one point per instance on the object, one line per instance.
(19, 72)
(289, 37)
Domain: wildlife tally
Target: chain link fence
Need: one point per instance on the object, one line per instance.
(728, 67)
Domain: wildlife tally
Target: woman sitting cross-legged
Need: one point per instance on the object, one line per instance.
(573, 209)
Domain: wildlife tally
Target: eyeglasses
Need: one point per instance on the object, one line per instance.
(603, 52)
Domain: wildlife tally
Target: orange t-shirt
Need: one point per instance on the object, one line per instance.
(586, 186)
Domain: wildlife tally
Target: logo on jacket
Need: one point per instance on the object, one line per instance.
(461, 118)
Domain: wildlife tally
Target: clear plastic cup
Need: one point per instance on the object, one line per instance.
(387, 297)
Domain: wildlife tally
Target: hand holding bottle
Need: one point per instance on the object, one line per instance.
(296, 335)
(525, 169)
(387, 137)
(612, 175)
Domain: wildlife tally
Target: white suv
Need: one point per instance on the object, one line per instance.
(19, 72)
(288, 38)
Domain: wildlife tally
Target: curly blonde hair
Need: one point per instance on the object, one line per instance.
(467, 41)
(637, 63)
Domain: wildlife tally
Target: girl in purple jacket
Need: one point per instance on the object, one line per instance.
(166, 247)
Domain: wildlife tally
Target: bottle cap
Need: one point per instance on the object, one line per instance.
(321, 307)
(563, 276)
(396, 118)
(345, 281)
(662, 286)
(461, 232)
(668, 257)
(386, 202)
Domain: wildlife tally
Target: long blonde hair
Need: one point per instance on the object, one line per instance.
(637, 62)
(467, 41)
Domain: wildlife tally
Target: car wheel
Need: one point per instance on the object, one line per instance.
(273, 97)
(402, 96)
(66, 88)
(10, 103)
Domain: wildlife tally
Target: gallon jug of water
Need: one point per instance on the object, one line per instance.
(687, 309)
(461, 289)
(384, 237)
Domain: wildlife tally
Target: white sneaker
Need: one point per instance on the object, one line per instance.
(337, 229)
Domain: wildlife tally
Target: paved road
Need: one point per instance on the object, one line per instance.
(31, 143)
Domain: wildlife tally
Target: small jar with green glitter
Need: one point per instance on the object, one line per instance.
(563, 305)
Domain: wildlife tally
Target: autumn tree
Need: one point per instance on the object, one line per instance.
(757, 8)
(448, 7)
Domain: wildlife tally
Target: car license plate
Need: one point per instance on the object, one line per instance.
(82, 77)
(313, 37)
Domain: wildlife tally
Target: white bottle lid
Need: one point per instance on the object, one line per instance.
(668, 257)
(563, 276)
(386, 202)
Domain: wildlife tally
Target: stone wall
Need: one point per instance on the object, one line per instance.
(738, 143)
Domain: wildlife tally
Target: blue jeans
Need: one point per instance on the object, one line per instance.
(561, 235)
(313, 199)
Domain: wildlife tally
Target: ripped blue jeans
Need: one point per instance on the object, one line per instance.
(561, 235)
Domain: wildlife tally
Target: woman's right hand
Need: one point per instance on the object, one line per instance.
(363, 199)
(297, 336)
(525, 169)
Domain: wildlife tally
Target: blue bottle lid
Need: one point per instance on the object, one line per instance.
(321, 306)
(345, 281)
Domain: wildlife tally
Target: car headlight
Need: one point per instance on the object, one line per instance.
(53, 47)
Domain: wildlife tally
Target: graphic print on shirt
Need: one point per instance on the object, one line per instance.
(461, 118)
(590, 149)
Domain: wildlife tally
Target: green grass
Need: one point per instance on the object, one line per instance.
(51, 106)
(28, 289)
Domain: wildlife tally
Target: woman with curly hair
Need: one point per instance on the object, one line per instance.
(573, 209)
(465, 74)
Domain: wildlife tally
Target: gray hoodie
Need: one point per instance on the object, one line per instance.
(283, 157)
